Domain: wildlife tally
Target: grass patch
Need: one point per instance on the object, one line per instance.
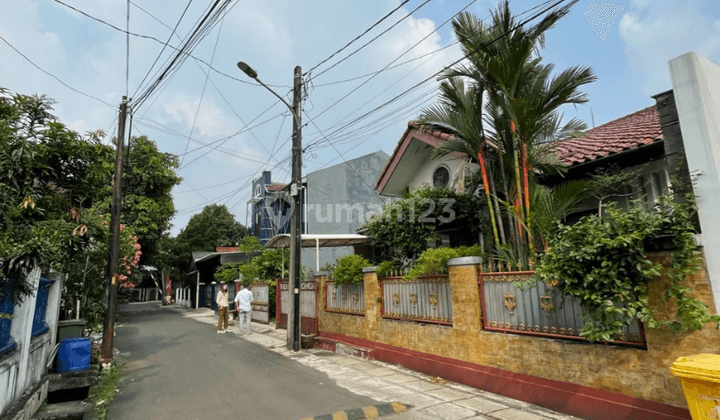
(103, 393)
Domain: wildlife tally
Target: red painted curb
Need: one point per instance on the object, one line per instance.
(564, 397)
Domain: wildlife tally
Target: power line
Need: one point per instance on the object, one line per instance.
(206, 24)
(127, 51)
(451, 65)
(174, 30)
(357, 37)
(387, 68)
(202, 95)
(52, 75)
(396, 59)
(372, 40)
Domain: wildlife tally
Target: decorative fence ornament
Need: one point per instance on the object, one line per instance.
(510, 303)
(413, 298)
(546, 303)
(434, 299)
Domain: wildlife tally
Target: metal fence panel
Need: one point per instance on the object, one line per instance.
(345, 298)
(536, 309)
(426, 299)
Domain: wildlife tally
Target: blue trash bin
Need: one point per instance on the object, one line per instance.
(74, 354)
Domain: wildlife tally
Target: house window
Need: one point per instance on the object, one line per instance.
(257, 190)
(653, 185)
(441, 177)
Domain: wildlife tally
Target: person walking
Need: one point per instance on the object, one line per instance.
(243, 306)
(222, 303)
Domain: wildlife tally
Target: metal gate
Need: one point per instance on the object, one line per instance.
(282, 303)
(308, 305)
(261, 302)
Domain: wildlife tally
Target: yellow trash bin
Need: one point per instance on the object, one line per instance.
(700, 377)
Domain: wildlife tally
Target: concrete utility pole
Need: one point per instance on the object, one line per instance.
(295, 191)
(106, 353)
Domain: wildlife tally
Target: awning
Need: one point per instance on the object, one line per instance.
(318, 241)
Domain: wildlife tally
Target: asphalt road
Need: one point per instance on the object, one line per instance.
(178, 368)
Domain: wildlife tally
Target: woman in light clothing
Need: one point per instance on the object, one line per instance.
(222, 303)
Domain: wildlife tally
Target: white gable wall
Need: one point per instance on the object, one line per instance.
(696, 84)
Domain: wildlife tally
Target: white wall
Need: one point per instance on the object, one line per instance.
(696, 85)
(22, 368)
(424, 175)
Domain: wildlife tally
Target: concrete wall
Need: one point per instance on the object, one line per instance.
(21, 369)
(588, 374)
(340, 199)
(696, 86)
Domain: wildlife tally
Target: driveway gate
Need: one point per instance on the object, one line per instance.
(308, 305)
(261, 302)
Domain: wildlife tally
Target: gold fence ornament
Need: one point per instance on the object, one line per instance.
(413, 298)
(546, 303)
(510, 302)
(433, 299)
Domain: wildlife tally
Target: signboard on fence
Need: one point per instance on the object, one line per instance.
(261, 302)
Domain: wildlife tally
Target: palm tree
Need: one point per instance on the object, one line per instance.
(502, 106)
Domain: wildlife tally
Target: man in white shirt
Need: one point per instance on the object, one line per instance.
(243, 301)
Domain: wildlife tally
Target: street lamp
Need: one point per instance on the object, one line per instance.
(295, 188)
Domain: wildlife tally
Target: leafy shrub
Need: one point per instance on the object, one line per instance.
(602, 262)
(404, 228)
(385, 268)
(434, 260)
(349, 269)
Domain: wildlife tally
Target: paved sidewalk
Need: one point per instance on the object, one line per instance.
(430, 398)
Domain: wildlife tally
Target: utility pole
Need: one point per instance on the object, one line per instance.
(296, 224)
(293, 339)
(111, 276)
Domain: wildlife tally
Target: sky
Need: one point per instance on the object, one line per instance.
(226, 129)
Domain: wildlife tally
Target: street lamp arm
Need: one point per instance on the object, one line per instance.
(253, 75)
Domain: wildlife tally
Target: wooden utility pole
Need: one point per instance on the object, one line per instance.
(296, 223)
(111, 273)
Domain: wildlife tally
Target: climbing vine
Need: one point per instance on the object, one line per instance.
(602, 262)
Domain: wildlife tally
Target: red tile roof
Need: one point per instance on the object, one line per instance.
(625, 133)
(276, 187)
(629, 132)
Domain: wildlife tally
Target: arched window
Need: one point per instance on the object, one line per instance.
(441, 177)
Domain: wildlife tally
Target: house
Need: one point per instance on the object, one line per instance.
(683, 122)
(411, 165)
(336, 201)
(271, 208)
(203, 268)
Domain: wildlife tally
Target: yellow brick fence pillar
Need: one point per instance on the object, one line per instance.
(463, 275)
(373, 302)
(321, 278)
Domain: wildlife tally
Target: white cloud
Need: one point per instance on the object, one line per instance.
(654, 33)
(210, 122)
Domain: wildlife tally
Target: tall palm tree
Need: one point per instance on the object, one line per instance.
(513, 101)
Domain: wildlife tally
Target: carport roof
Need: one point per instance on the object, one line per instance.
(318, 240)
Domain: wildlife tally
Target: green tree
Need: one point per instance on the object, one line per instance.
(49, 175)
(502, 107)
(213, 227)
